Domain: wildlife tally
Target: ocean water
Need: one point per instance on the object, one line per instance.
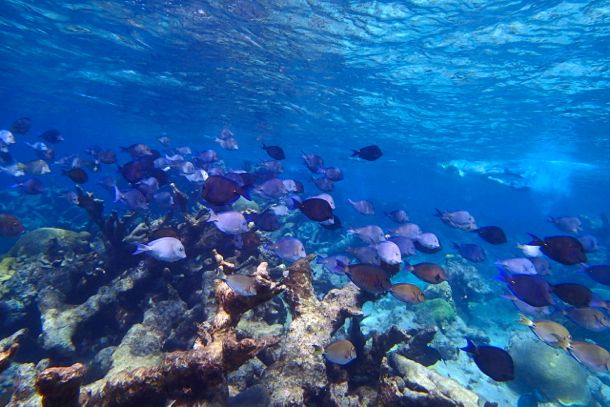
(500, 108)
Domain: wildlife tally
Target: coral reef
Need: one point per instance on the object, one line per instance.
(407, 383)
(552, 373)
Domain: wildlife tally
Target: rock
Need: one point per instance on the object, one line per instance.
(552, 372)
(40, 241)
(407, 383)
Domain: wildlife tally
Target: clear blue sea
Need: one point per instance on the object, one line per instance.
(500, 108)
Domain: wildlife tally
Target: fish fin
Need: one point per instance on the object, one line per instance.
(456, 246)
(355, 153)
(523, 320)
(245, 192)
(503, 275)
(537, 241)
(470, 347)
(141, 248)
(212, 216)
(117, 194)
(263, 146)
(296, 202)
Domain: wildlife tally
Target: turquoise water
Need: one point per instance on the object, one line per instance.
(498, 108)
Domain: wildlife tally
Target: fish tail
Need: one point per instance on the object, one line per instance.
(141, 248)
(537, 240)
(503, 275)
(438, 213)
(523, 320)
(263, 146)
(408, 266)
(245, 192)
(470, 347)
(212, 216)
(355, 153)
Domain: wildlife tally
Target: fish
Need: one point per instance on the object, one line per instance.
(542, 265)
(398, 216)
(408, 293)
(37, 167)
(368, 153)
(517, 265)
(323, 184)
(219, 190)
(369, 277)
(363, 207)
(588, 318)
(576, 295)
(491, 234)
(38, 146)
(164, 141)
(21, 125)
(462, 220)
(599, 273)
(366, 254)
(427, 243)
(333, 174)
(313, 162)
(77, 175)
(16, 170)
(589, 243)
(532, 289)
(388, 252)
(243, 285)
(289, 249)
(566, 250)
(492, 361)
(52, 136)
(549, 332)
(31, 186)
(408, 230)
(132, 198)
(275, 152)
(226, 139)
(316, 209)
(328, 198)
(405, 245)
(166, 249)
(429, 272)
(207, 157)
(7, 137)
(10, 225)
(340, 352)
(334, 264)
(293, 186)
(530, 250)
(230, 222)
(590, 355)
(266, 221)
(368, 234)
(273, 188)
(569, 224)
(526, 308)
(471, 252)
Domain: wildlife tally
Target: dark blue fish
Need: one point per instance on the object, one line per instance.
(492, 361)
(275, 152)
(563, 249)
(491, 234)
(574, 294)
(316, 209)
(52, 136)
(599, 273)
(368, 277)
(219, 190)
(530, 288)
(471, 252)
(266, 221)
(369, 153)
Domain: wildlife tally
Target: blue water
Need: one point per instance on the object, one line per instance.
(523, 83)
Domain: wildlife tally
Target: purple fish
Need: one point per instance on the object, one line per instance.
(363, 207)
(427, 243)
(398, 216)
(366, 254)
(410, 230)
(589, 243)
(323, 184)
(230, 222)
(133, 199)
(273, 188)
(459, 219)
(313, 162)
(570, 224)
(335, 263)
(517, 265)
(388, 252)
(289, 249)
(368, 234)
(532, 289)
(406, 245)
(333, 173)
